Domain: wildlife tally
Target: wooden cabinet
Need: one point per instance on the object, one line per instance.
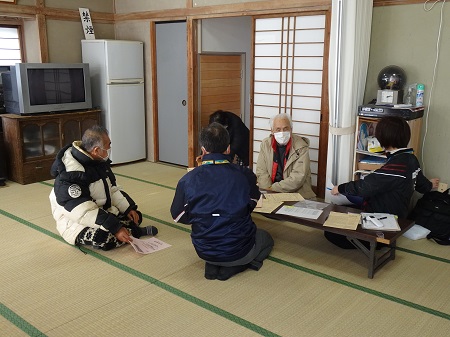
(365, 161)
(32, 142)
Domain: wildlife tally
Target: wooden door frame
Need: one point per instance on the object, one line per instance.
(192, 93)
(154, 91)
(193, 89)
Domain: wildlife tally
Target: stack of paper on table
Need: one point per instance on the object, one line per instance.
(389, 222)
(342, 220)
(308, 209)
(266, 206)
(283, 197)
(271, 201)
(300, 212)
(311, 204)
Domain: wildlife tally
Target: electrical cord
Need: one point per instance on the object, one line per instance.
(434, 71)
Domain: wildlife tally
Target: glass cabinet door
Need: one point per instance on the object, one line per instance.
(32, 141)
(50, 132)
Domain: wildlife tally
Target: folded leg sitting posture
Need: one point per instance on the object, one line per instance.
(217, 199)
(101, 239)
(253, 260)
(88, 206)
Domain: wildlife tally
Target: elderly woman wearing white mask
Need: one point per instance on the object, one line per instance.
(283, 161)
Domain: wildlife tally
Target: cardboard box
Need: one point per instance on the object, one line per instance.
(369, 167)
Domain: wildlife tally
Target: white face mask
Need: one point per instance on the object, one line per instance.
(107, 155)
(282, 138)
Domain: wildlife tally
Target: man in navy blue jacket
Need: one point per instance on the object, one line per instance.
(217, 199)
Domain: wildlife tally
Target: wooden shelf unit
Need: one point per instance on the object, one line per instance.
(32, 141)
(361, 168)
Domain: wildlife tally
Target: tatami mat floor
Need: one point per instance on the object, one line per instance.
(307, 287)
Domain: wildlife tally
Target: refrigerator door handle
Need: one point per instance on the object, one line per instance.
(130, 81)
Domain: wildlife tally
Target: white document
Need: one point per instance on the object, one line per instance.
(389, 222)
(311, 204)
(335, 199)
(148, 246)
(300, 212)
(339, 199)
(280, 197)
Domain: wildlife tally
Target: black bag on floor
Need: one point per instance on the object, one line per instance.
(432, 211)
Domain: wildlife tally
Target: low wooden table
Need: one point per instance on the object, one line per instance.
(376, 261)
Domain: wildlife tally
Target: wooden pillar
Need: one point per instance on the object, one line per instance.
(42, 27)
(192, 91)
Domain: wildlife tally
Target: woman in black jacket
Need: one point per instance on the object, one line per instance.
(388, 189)
(239, 135)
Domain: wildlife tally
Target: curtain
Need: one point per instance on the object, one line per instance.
(351, 22)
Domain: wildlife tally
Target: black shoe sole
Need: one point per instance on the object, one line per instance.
(227, 272)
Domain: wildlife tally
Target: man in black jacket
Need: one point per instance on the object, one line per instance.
(238, 132)
(87, 205)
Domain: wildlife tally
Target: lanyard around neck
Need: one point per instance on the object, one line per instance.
(213, 162)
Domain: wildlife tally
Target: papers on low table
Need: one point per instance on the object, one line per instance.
(267, 206)
(389, 222)
(307, 209)
(280, 197)
(343, 220)
(268, 202)
(300, 212)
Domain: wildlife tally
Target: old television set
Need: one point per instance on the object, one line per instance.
(47, 87)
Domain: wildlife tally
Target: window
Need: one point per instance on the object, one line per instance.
(10, 47)
(289, 62)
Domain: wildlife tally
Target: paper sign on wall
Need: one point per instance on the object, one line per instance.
(86, 21)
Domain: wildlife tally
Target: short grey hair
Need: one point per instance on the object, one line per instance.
(93, 137)
(280, 116)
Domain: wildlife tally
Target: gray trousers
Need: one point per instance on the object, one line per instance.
(255, 257)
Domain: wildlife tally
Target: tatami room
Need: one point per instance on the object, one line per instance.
(307, 286)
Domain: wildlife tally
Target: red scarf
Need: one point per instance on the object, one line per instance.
(275, 156)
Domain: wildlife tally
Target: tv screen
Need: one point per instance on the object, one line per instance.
(55, 86)
(47, 87)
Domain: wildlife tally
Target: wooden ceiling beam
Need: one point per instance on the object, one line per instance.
(237, 9)
(27, 12)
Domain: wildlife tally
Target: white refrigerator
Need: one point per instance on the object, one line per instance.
(117, 80)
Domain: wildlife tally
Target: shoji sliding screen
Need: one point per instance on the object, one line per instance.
(288, 76)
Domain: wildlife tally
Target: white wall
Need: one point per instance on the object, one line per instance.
(406, 36)
(31, 41)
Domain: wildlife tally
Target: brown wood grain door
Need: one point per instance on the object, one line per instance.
(220, 85)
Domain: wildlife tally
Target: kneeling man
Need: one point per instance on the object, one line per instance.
(217, 199)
